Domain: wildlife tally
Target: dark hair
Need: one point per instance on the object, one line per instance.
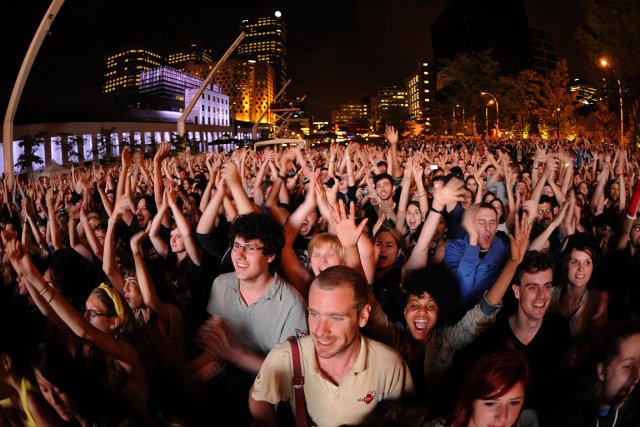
(547, 199)
(533, 262)
(151, 203)
(441, 285)
(261, 227)
(579, 242)
(339, 276)
(457, 172)
(379, 177)
(57, 366)
(490, 377)
(608, 346)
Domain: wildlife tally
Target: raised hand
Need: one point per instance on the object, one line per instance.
(452, 191)
(345, 224)
(520, 242)
(391, 134)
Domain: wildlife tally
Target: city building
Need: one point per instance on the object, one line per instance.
(392, 105)
(587, 93)
(122, 72)
(543, 51)
(266, 41)
(421, 87)
(250, 86)
(163, 88)
(352, 117)
(466, 26)
(211, 109)
(189, 54)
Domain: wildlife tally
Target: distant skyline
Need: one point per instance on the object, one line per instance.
(338, 51)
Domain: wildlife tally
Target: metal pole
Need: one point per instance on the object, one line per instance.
(204, 85)
(621, 116)
(23, 74)
(486, 122)
(254, 128)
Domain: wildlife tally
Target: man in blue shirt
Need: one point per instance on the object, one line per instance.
(477, 259)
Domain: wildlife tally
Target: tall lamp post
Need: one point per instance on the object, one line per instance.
(486, 119)
(604, 63)
(497, 110)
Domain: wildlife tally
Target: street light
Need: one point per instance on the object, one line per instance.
(497, 110)
(486, 119)
(557, 113)
(604, 63)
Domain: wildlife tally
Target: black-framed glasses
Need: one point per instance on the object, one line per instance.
(249, 248)
(92, 313)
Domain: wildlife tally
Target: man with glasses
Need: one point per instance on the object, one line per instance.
(252, 310)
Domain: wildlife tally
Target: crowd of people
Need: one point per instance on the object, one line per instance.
(439, 282)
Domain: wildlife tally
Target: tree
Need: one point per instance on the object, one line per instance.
(611, 29)
(556, 105)
(106, 143)
(69, 146)
(30, 145)
(413, 129)
(460, 82)
(518, 102)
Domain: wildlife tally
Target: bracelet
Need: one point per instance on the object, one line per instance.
(44, 289)
(53, 293)
(441, 212)
(424, 193)
(284, 178)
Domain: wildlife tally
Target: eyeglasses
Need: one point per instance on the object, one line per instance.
(547, 210)
(93, 313)
(249, 248)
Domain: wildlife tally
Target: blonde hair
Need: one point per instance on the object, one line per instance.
(327, 240)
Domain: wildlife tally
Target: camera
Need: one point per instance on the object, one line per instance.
(330, 182)
(433, 167)
(291, 174)
(305, 180)
(364, 191)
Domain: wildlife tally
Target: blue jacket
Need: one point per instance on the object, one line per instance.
(475, 275)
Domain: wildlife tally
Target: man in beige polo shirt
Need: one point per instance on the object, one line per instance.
(345, 374)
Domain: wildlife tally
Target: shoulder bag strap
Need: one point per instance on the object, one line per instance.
(298, 384)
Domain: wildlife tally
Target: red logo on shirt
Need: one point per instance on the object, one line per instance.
(369, 397)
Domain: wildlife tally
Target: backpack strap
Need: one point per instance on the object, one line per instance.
(298, 383)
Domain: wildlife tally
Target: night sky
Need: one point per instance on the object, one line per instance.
(338, 51)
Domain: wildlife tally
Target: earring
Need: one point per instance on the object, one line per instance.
(601, 377)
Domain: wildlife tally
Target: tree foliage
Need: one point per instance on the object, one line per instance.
(30, 145)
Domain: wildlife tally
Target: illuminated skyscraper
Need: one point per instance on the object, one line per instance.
(352, 117)
(122, 74)
(543, 51)
(249, 85)
(421, 93)
(392, 105)
(265, 41)
(193, 53)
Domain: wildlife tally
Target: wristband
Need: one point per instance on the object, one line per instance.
(441, 212)
(284, 178)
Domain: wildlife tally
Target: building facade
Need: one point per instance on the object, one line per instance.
(543, 51)
(265, 41)
(249, 85)
(421, 93)
(392, 105)
(123, 69)
(211, 109)
(192, 53)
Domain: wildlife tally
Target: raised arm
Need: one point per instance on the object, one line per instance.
(90, 234)
(349, 234)
(158, 183)
(232, 179)
(154, 233)
(452, 192)
(518, 247)
(404, 197)
(190, 243)
(147, 289)
(81, 327)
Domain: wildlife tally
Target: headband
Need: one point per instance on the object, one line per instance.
(115, 297)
